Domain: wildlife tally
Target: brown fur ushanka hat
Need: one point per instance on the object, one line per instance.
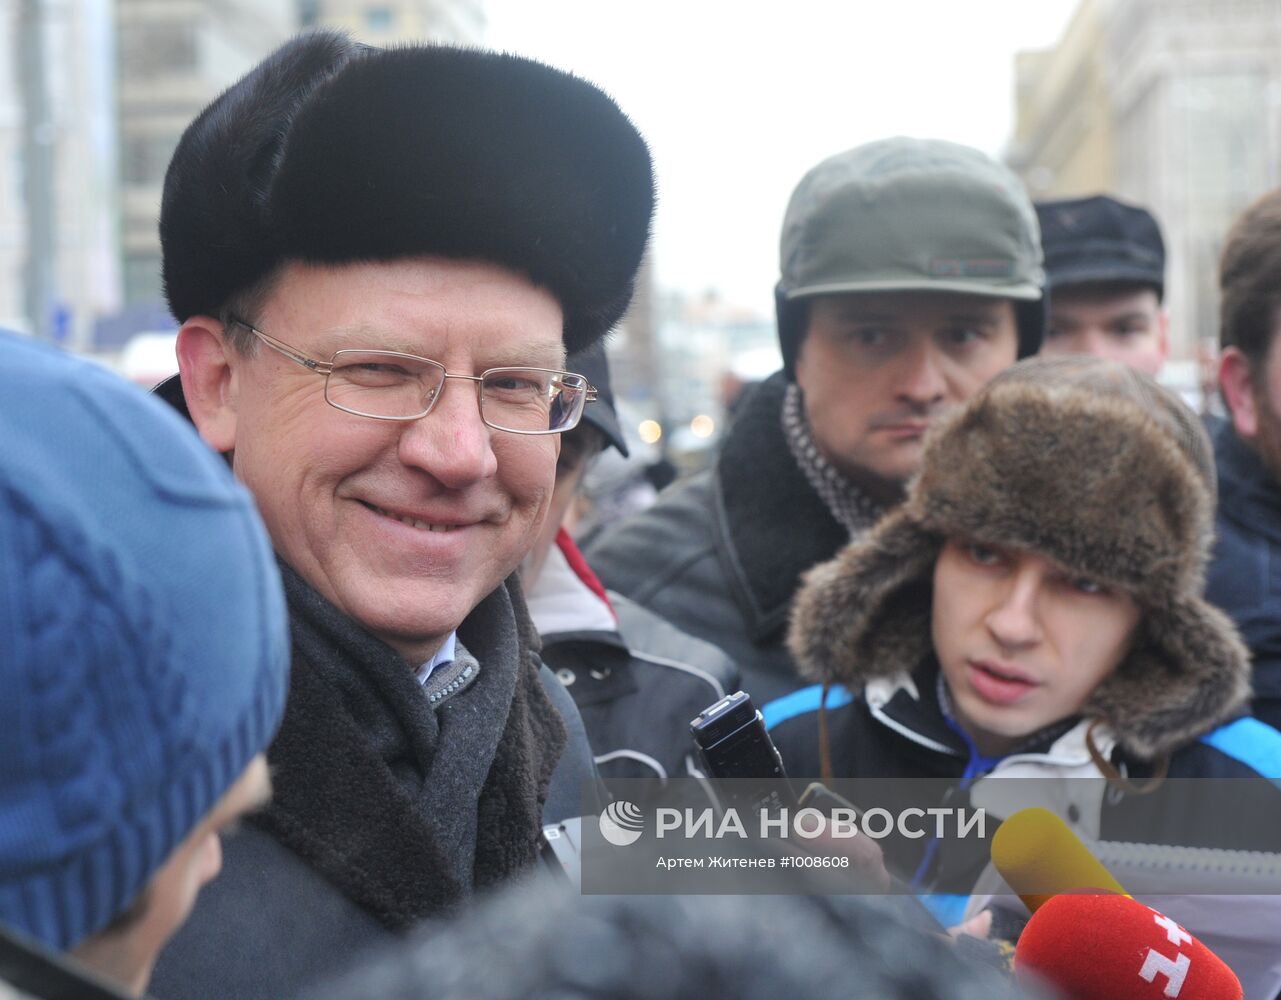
(331, 152)
(1086, 463)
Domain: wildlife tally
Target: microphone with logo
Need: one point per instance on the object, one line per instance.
(1107, 947)
(1086, 936)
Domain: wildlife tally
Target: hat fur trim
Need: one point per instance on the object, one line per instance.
(866, 613)
(1087, 479)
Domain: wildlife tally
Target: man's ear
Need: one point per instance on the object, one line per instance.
(1238, 392)
(208, 365)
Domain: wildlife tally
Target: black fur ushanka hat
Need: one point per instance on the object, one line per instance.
(1086, 463)
(330, 151)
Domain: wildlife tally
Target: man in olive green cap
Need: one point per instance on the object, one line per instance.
(910, 275)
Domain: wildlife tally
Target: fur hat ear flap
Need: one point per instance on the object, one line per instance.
(1187, 673)
(866, 613)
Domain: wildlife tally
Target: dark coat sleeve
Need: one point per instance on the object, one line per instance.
(267, 926)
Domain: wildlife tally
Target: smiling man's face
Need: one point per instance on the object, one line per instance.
(404, 526)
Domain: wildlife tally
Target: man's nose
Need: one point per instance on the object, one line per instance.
(452, 443)
(922, 382)
(1014, 621)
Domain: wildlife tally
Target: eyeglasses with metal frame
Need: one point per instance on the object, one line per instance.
(389, 385)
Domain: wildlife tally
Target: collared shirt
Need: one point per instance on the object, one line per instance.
(443, 655)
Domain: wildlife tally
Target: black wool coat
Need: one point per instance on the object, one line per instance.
(1244, 578)
(720, 555)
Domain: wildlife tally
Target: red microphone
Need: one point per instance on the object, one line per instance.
(1104, 947)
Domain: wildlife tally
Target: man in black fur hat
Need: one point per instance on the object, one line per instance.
(379, 260)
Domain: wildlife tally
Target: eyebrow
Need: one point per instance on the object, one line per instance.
(362, 339)
(1138, 314)
(539, 354)
(543, 355)
(1067, 321)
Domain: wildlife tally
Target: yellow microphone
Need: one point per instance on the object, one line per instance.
(1039, 856)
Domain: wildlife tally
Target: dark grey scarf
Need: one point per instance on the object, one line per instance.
(405, 807)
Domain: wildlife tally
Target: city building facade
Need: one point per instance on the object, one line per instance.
(173, 58)
(58, 264)
(379, 22)
(1172, 104)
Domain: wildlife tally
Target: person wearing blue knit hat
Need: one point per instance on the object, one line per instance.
(140, 690)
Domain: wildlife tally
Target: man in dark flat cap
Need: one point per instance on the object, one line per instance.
(379, 260)
(1105, 269)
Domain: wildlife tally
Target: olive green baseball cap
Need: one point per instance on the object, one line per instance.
(907, 214)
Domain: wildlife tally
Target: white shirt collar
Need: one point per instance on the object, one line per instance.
(443, 655)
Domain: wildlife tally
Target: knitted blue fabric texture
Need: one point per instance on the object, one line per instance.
(143, 639)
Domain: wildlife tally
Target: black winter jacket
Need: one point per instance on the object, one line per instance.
(636, 679)
(720, 555)
(896, 729)
(1244, 578)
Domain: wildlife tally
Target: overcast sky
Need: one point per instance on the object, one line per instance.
(739, 99)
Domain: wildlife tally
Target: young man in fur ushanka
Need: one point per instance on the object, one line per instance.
(1034, 610)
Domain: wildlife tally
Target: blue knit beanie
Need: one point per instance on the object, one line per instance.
(143, 640)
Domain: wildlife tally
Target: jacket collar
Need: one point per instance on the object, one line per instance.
(771, 525)
(914, 705)
(1248, 493)
(909, 705)
(567, 596)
